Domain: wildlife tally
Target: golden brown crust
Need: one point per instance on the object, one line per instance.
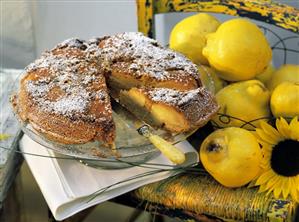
(144, 62)
(64, 96)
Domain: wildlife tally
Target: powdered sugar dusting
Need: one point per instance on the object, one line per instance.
(37, 90)
(74, 100)
(69, 104)
(171, 96)
(62, 64)
(72, 76)
(147, 57)
(73, 42)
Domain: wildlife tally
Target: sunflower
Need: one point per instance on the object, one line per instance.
(280, 164)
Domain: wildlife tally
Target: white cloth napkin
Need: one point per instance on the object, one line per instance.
(68, 185)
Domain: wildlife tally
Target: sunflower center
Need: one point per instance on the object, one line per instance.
(285, 158)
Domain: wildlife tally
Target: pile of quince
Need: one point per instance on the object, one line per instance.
(234, 61)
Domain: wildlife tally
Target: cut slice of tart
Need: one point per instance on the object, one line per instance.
(64, 96)
(158, 85)
(174, 110)
(132, 60)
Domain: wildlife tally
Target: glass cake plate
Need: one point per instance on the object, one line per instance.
(130, 147)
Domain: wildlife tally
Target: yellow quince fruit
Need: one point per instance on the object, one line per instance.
(285, 100)
(189, 36)
(238, 50)
(243, 102)
(285, 73)
(232, 156)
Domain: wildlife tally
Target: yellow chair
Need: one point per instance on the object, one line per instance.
(267, 11)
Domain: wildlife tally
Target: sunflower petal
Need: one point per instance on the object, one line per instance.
(270, 190)
(271, 132)
(294, 129)
(266, 176)
(283, 127)
(278, 189)
(263, 166)
(262, 188)
(286, 187)
(294, 192)
(265, 137)
(272, 182)
(266, 148)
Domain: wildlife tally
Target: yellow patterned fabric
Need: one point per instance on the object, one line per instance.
(201, 194)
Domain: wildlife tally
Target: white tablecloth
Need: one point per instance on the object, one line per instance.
(68, 186)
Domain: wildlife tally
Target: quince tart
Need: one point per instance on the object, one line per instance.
(66, 93)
